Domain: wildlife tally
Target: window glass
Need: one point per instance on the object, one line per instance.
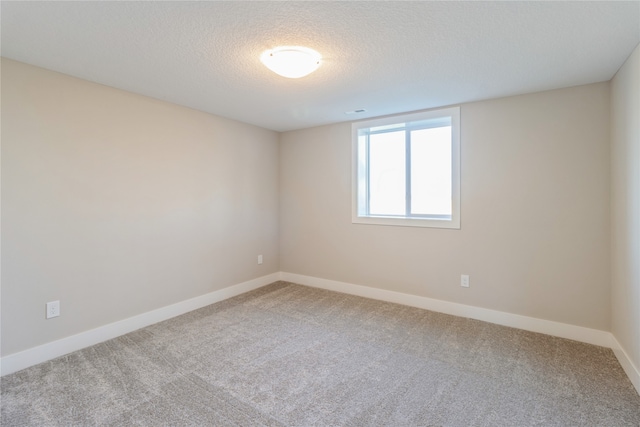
(387, 174)
(431, 171)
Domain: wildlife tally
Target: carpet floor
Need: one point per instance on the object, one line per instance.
(290, 355)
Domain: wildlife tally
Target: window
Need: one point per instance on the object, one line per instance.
(406, 170)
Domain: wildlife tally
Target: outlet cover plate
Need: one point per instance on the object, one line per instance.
(53, 309)
(464, 281)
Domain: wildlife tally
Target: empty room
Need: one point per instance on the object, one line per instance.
(319, 213)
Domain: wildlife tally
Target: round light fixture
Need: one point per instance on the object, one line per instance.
(291, 61)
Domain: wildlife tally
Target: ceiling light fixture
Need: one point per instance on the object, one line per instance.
(291, 61)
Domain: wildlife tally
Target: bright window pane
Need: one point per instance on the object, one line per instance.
(387, 166)
(431, 171)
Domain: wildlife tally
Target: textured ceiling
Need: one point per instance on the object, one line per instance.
(385, 57)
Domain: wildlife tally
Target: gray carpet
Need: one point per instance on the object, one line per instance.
(289, 355)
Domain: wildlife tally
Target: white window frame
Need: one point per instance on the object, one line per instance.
(358, 211)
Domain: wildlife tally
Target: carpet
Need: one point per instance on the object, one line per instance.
(290, 355)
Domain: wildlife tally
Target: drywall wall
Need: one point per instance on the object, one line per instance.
(535, 232)
(625, 207)
(116, 204)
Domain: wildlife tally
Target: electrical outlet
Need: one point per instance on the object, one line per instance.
(259, 259)
(53, 309)
(464, 281)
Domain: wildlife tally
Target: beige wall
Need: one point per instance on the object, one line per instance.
(117, 204)
(625, 206)
(535, 212)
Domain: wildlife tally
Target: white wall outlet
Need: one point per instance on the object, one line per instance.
(259, 259)
(53, 309)
(464, 281)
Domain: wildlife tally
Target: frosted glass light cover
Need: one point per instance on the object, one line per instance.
(291, 61)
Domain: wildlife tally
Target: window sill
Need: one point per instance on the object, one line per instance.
(407, 222)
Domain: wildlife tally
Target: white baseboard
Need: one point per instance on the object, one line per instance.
(24, 359)
(563, 330)
(33, 356)
(630, 369)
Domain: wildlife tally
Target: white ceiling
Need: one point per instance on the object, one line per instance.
(385, 57)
